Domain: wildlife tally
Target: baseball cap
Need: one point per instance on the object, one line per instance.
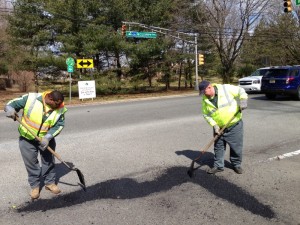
(203, 85)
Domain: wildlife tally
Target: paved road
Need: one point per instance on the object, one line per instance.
(135, 156)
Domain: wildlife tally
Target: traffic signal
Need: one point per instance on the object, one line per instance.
(123, 30)
(287, 6)
(201, 59)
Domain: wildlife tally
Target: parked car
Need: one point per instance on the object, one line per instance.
(252, 83)
(281, 80)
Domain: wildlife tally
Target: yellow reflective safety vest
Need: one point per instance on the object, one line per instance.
(33, 117)
(228, 98)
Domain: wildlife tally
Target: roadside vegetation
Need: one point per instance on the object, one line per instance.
(235, 36)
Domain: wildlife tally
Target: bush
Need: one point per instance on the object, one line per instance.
(246, 70)
(108, 85)
(2, 84)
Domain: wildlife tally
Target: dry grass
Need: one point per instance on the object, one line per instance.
(9, 94)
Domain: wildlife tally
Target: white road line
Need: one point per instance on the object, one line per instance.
(286, 155)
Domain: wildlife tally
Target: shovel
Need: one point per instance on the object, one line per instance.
(80, 175)
(191, 170)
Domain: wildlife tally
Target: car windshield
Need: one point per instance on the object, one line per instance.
(263, 72)
(260, 72)
(276, 72)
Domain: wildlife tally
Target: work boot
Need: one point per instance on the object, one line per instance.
(214, 170)
(53, 188)
(35, 193)
(238, 170)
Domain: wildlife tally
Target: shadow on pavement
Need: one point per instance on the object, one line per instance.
(128, 188)
(207, 158)
(62, 170)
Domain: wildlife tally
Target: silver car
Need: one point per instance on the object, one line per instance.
(252, 83)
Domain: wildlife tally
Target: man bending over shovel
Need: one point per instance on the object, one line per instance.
(44, 114)
(220, 103)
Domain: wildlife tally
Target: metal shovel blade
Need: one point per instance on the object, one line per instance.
(190, 172)
(81, 178)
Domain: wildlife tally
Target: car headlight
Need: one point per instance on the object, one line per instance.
(256, 82)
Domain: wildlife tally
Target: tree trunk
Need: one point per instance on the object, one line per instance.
(180, 74)
(119, 69)
(148, 75)
(36, 82)
(227, 75)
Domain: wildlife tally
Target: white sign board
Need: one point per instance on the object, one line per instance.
(86, 89)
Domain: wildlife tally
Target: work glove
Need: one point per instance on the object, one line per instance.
(45, 141)
(243, 104)
(217, 130)
(10, 112)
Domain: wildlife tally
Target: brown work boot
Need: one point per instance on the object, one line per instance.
(35, 193)
(238, 170)
(214, 170)
(53, 188)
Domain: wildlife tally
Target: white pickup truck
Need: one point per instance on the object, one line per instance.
(252, 83)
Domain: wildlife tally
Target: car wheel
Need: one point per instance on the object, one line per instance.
(298, 93)
(271, 96)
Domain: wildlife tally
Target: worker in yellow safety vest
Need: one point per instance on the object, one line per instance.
(220, 104)
(44, 114)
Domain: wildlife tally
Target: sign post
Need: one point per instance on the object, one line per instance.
(297, 2)
(70, 67)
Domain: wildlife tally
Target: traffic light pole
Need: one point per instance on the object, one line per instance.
(166, 32)
(196, 66)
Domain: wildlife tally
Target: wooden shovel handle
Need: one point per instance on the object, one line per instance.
(38, 138)
(217, 136)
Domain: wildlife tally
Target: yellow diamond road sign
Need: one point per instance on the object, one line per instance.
(84, 63)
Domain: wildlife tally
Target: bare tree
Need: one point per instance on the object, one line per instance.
(24, 80)
(227, 23)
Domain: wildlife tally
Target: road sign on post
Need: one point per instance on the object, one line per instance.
(297, 2)
(85, 63)
(70, 61)
(70, 68)
(136, 34)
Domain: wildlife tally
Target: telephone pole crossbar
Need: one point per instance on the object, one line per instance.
(167, 32)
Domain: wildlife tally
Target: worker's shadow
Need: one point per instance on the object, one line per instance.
(205, 158)
(129, 188)
(62, 170)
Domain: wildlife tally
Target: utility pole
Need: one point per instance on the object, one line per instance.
(196, 62)
(167, 33)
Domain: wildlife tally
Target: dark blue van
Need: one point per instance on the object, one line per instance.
(281, 80)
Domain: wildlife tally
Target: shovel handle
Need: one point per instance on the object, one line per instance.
(80, 175)
(39, 139)
(216, 136)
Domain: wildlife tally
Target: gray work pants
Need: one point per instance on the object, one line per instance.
(233, 136)
(36, 172)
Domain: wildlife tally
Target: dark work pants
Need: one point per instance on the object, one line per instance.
(233, 136)
(36, 172)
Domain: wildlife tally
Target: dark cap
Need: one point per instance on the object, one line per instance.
(203, 85)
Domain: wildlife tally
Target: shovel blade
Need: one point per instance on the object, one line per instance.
(190, 172)
(81, 178)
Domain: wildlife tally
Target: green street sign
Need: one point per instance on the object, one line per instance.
(297, 2)
(136, 34)
(70, 61)
(70, 68)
